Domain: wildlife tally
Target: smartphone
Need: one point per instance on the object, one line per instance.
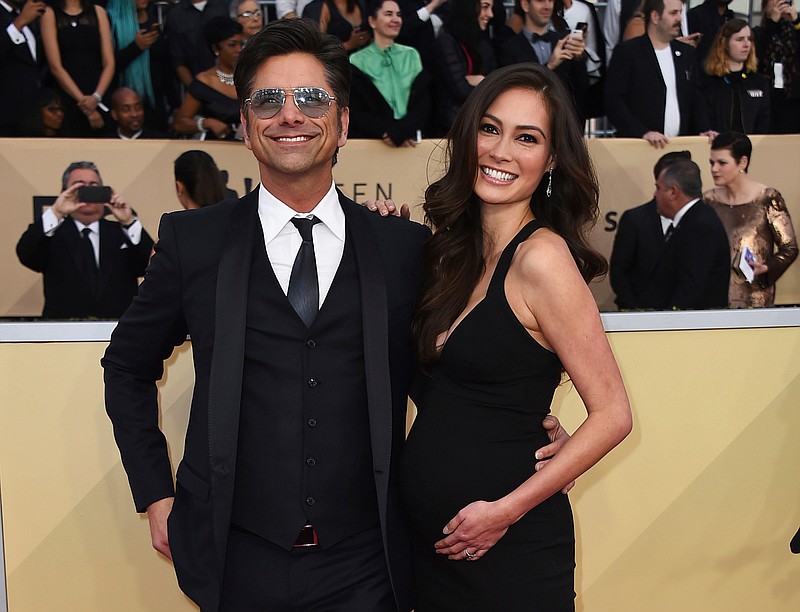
(94, 193)
(579, 31)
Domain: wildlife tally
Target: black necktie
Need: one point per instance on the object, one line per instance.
(303, 291)
(668, 233)
(89, 261)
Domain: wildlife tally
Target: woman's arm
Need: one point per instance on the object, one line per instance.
(549, 296)
(187, 122)
(106, 51)
(783, 232)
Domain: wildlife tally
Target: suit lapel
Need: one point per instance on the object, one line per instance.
(227, 361)
(374, 314)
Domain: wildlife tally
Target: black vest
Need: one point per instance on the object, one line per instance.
(304, 452)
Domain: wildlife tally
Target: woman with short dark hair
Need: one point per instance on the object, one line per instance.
(756, 220)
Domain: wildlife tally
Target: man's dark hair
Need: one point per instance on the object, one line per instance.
(685, 174)
(287, 36)
(648, 6)
(79, 165)
(668, 159)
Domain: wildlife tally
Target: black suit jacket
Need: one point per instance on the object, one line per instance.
(67, 291)
(517, 50)
(636, 94)
(197, 283)
(20, 74)
(638, 245)
(372, 117)
(694, 269)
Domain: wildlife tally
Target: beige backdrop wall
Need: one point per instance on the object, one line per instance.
(694, 511)
(142, 171)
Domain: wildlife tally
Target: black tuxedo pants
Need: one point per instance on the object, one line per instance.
(350, 576)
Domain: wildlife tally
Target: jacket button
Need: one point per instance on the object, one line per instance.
(311, 344)
(312, 422)
(311, 462)
(310, 501)
(312, 382)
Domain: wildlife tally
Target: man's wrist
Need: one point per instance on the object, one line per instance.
(130, 223)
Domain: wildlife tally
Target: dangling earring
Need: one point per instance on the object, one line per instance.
(550, 183)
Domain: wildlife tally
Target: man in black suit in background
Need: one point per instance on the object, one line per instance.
(127, 111)
(694, 268)
(638, 244)
(298, 303)
(539, 43)
(651, 84)
(21, 58)
(90, 265)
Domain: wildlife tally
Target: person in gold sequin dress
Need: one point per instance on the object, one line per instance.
(754, 216)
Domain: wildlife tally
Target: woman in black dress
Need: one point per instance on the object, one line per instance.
(505, 311)
(76, 36)
(210, 108)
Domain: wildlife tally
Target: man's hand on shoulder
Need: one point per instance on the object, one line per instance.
(387, 208)
(157, 514)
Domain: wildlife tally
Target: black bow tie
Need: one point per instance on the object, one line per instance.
(546, 37)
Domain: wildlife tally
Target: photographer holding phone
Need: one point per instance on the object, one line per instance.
(90, 265)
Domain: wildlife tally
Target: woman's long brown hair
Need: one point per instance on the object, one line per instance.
(454, 255)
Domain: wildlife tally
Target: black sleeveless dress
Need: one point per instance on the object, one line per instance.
(479, 424)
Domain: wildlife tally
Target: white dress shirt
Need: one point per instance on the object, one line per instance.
(282, 239)
(17, 37)
(672, 111)
(50, 223)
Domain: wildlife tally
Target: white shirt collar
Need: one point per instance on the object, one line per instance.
(275, 215)
(94, 226)
(122, 136)
(679, 215)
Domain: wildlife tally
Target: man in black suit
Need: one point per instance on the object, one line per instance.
(706, 19)
(127, 111)
(286, 494)
(638, 244)
(21, 58)
(90, 265)
(651, 84)
(694, 268)
(539, 43)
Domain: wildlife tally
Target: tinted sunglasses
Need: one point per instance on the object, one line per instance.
(313, 102)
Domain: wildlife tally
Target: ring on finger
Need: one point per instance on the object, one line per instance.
(469, 554)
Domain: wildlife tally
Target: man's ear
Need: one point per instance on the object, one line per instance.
(344, 125)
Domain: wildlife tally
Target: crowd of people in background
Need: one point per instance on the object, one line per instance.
(655, 68)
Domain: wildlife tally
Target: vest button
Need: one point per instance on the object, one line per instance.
(312, 382)
(311, 462)
(310, 501)
(312, 422)
(311, 344)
